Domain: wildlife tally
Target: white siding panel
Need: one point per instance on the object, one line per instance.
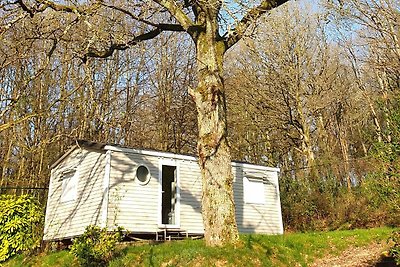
(190, 184)
(70, 218)
(258, 218)
(132, 205)
(251, 218)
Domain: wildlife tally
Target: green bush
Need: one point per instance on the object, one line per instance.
(21, 219)
(383, 197)
(395, 249)
(327, 204)
(96, 246)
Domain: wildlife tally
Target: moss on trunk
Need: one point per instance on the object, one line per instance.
(218, 206)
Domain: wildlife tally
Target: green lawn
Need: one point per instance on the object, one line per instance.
(255, 250)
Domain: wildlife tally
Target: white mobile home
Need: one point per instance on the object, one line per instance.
(147, 192)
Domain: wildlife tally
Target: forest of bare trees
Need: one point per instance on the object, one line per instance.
(311, 88)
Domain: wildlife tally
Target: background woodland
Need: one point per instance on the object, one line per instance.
(312, 89)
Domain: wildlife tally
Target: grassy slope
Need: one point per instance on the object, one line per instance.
(255, 250)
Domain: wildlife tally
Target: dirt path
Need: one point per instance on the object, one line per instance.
(355, 257)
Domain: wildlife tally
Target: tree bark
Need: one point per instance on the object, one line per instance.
(345, 148)
(218, 208)
(306, 146)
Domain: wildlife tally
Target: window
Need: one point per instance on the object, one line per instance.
(143, 174)
(253, 190)
(69, 185)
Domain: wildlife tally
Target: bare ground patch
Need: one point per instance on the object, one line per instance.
(354, 257)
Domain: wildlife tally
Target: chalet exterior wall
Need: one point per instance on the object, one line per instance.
(109, 194)
(67, 219)
(131, 205)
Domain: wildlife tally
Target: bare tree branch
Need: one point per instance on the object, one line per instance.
(42, 5)
(25, 8)
(162, 26)
(251, 16)
(185, 23)
(93, 52)
(58, 7)
(177, 12)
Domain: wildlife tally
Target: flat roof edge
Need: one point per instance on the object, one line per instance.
(184, 157)
(150, 152)
(63, 156)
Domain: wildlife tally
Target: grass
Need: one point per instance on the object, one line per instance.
(293, 249)
(59, 258)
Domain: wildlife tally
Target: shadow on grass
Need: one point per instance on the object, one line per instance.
(136, 250)
(386, 262)
(271, 248)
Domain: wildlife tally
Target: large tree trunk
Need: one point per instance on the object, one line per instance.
(218, 208)
(306, 145)
(345, 148)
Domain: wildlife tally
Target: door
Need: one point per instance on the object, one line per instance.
(169, 195)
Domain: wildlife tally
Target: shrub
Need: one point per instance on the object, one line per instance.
(96, 246)
(383, 196)
(395, 249)
(326, 204)
(21, 219)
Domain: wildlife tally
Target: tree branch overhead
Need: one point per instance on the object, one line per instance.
(250, 17)
(177, 12)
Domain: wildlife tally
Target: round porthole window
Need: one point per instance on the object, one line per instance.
(143, 174)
